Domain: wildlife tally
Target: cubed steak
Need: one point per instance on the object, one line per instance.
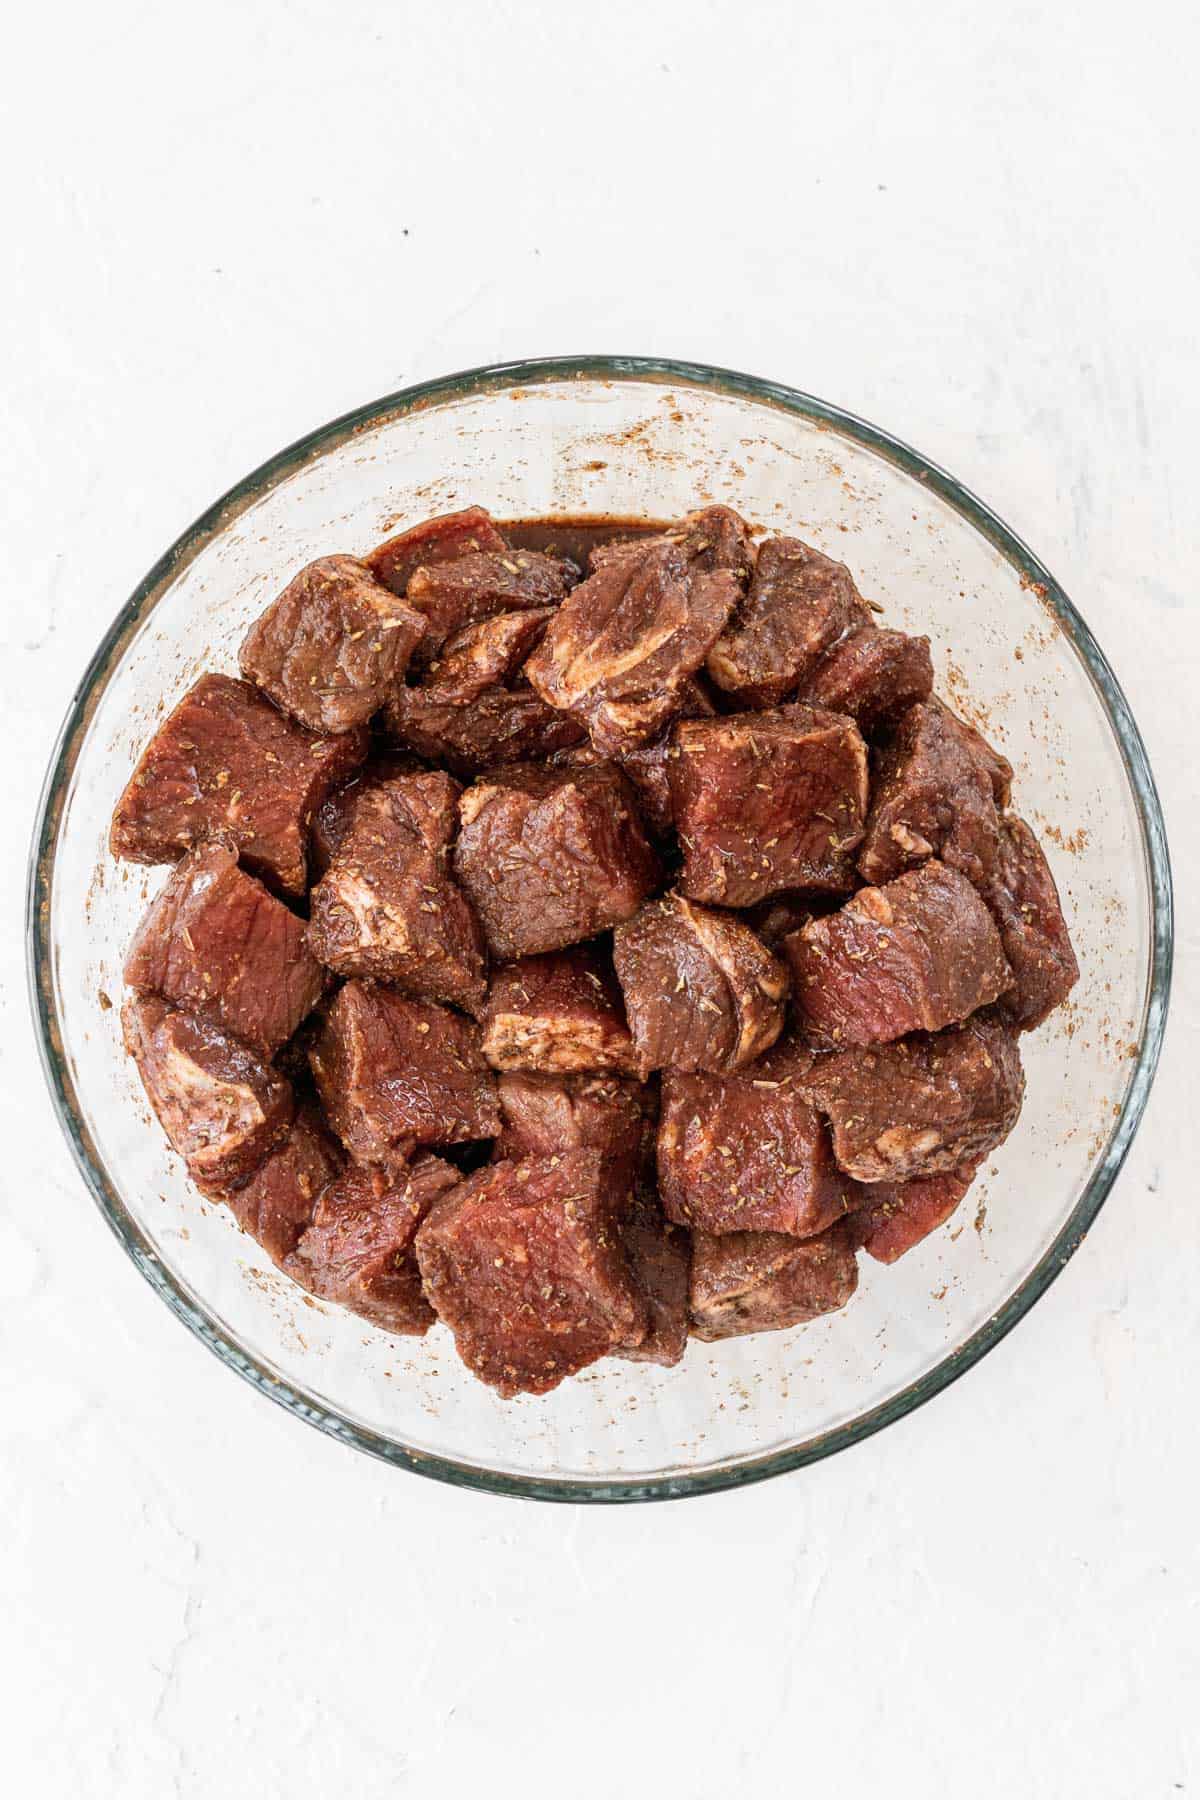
(276, 1204)
(433, 541)
(660, 1259)
(485, 655)
(552, 857)
(1025, 905)
(872, 676)
(701, 992)
(524, 1263)
(502, 725)
(545, 1115)
(896, 1216)
(797, 606)
(216, 942)
(225, 761)
(917, 954)
(936, 792)
(335, 815)
(451, 595)
(394, 1072)
(330, 649)
(765, 802)
(749, 1152)
(924, 1106)
(358, 1250)
(746, 1281)
(622, 647)
(223, 1110)
(389, 905)
(558, 1014)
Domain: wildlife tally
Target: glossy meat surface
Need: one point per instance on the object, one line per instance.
(559, 1014)
(936, 791)
(215, 941)
(872, 676)
(747, 1281)
(897, 1216)
(524, 1263)
(765, 802)
(799, 603)
(484, 655)
(453, 594)
(330, 648)
(544, 1115)
(502, 725)
(433, 541)
(276, 1204)
(225, 762)
(1028, 912)
(394, 1072)
(389, 905)
(660, 1260)
(551, 857)
(701, 992)
(914, 955)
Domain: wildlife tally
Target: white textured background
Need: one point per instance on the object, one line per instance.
(975, 224)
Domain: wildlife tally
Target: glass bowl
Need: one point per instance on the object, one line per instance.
(628, 436)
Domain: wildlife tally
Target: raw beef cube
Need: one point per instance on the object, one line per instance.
(485, 655)
(897, 1215)
(660, 1260)
(393, 1072)
(872, 676)
(552, 857)
(714, 538)
(924, 1106)
(915, 955)
(330, 649)
(215, 941)
(221, 1107)
(701, 992)
(226, 761)
(768, 801)
(433, 541)
(503, 725)
(558, 1014)
(648, 766)
(747, 1281)
(936, 791)
(621, 649)
(798, 605)
(334, 817)
(524, 1263)
(774, 920)
(1025, 905)
(276, 1205)
(748, 1152)
(389, 905)
(358, 1250)
(452, 595)
(545, 1115)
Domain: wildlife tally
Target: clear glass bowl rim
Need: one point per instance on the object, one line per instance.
(501, 377)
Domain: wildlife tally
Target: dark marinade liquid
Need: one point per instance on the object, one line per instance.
(575, 534)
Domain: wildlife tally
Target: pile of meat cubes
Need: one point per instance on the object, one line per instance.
(584, 957)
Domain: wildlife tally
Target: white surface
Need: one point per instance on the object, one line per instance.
(973, 224)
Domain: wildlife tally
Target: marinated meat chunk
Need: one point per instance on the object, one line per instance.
(660, 1260)
(622, 647)
(768, 801)
(545, 1115)
(798, 605)
(872, 676)
(525, 1265)
(647, 767)
(502, 725)
(936, 791)
(358, 1250)
(713, 538)
(486, 655)
(215, 941)
(924, 1106)
(331, 647)
(915, 955)
(1025, 905)
(221, 1107)
(701, 992)
(450, 595)
(439, 540)
(226, 762)
(389, 905)
(334, 817)
(393, 1072)
(748, 1152)
(747, 1281)
(559, 1014)
(277, 1203)
(552, 857)
(897, 1215)
(774, 920)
